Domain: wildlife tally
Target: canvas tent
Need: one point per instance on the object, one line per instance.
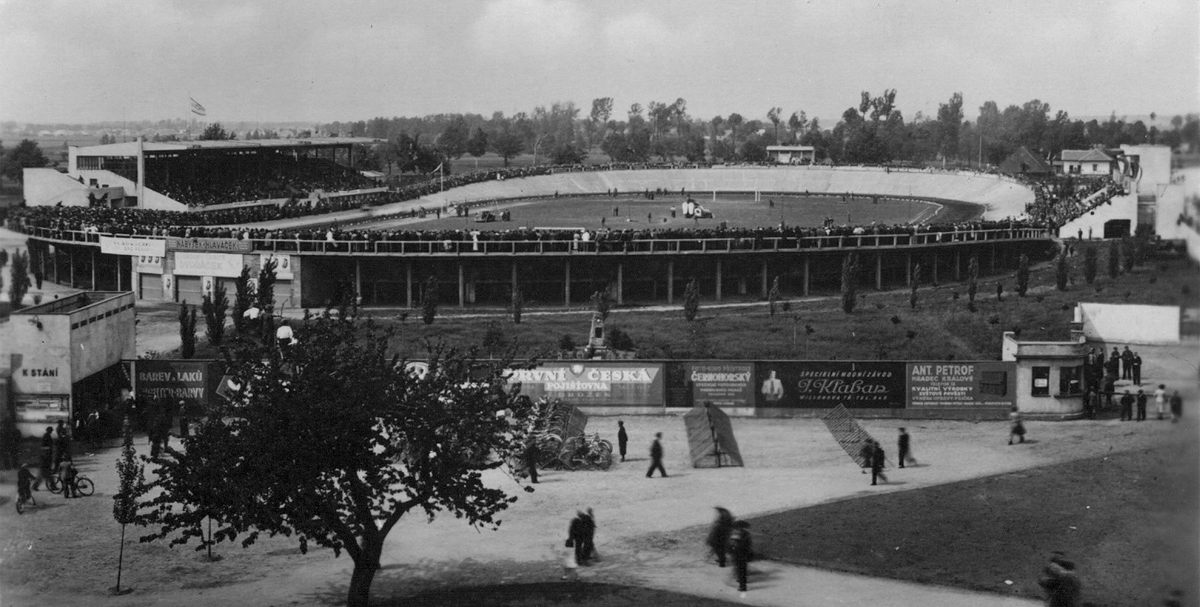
(710, 438)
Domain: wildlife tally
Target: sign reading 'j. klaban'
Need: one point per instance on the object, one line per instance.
(811, 384)
(593, 384)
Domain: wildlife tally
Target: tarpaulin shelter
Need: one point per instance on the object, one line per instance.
(710, 438)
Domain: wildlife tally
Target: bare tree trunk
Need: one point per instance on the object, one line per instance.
(120, 559)
(365, 568)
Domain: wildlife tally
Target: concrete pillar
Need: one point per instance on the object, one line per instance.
(408, 298)
(670, 281)
(71, 266)
(993, 260)
(462, 295)
(93, 253)
(357, 278)
(766, 290)
(620, 283)
(879, 271)
(957, 264)
(119, 258)
(806, 277)
(934, 266)
(908, 269)
(512, 281)
(567, 283)
(718, 280)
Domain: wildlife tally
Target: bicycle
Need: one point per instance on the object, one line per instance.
(21, 502)
(83, 486)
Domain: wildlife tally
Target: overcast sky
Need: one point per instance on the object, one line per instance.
(83, 61)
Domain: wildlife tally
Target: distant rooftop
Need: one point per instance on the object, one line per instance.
(70, 303)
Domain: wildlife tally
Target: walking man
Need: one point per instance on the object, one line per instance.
(877, 461)
(656, 455)
(719, 534)
(622, 439)
(1176, 407)
(1141, 405)
(905, 448)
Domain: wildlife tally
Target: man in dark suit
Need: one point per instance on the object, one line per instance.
(622, 439)
(656, 455)
(877, 461)
(905, 448)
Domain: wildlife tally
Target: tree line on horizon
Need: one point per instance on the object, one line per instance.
(874, 131)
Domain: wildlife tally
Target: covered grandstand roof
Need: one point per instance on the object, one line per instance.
(130, 148)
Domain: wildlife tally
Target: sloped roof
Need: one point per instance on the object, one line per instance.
(1024, 161)
(1092, 155)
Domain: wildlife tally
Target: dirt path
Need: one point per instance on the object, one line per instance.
(650, 530)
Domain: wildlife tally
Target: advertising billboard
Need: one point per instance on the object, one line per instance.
(192, 381)
(725, 384)
(827, 384)
(939, 385)
(594, 383)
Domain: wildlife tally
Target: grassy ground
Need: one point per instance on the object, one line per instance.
(1128, 520)
(530, 595)
(941, 326)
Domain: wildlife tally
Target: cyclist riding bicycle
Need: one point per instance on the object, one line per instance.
(24, 485)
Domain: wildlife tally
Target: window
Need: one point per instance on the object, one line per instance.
(1069, 383)
(1041, 381)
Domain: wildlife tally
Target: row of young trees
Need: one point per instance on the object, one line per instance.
(872, 131)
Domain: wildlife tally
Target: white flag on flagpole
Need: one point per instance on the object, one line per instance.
(198, 109)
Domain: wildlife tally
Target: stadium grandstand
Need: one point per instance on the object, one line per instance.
(384, 243)
(202, 175)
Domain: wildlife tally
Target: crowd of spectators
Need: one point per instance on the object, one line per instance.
(221, 179)
(76, 222)
(1060, 200)
(223, 223)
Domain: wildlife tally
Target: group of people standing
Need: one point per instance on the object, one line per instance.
(1100, 377)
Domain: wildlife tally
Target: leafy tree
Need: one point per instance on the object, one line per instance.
(691, 300)
(264, 299)
(972, 278)
(187, 330)
(517, 305)
(214, 310)
(619, 340)
(849, 283)
(493, 339)
(132, 487)
(773, 295)
(567, 153)
(916, 282)
(566, 342)
(1090, 263)
(26, 155)
(3, 257)
(602, 302)
(477, 145)
(333, 441)
(774, 115)
(1114, 258)
(453, 140)
(19, 284)
(215, 132)
(429, 300)
(506, 143)
(1062, 271)
(797, 123)
(1023, 275)
(243, 299)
